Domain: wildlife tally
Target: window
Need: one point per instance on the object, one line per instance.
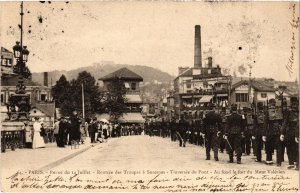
(2, 98)
(43, 97)
(133, 86)
(241, 97)
(263, 95)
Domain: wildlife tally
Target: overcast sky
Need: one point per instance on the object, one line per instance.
(64, 36)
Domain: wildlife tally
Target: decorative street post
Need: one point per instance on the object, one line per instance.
(19, 102)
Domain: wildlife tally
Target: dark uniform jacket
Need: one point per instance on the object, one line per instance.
(212, 123)
(271, 127)
(291, 124)
(234, 124)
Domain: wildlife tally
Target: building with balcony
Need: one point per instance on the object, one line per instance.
(196, 87)
(134, 101)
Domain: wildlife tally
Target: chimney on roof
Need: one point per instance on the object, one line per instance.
(210, 62)
(46, 79)
(197, 48)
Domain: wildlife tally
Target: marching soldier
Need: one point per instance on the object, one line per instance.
(212, 132)
(289, 129)
(258, 123)
(249, 132)
(197, 129)
(223, 125)
(233, 134)
(271, 133)
(173, 126)
(181, 131)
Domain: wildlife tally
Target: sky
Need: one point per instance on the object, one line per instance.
(69, 35)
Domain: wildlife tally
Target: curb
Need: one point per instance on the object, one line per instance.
(60, 161)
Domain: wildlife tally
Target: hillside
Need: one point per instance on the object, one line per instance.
(98, 70)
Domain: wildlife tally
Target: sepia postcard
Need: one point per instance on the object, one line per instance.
(149, 96)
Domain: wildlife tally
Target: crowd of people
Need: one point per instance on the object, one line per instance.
(74, 130)
(272, 129)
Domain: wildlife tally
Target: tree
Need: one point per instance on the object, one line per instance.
(59, 91)
(69, 94)
(115, 98)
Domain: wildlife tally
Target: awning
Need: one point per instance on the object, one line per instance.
(222, 95)
(186, 97)
(102, 116)
(131, 118)
(133, 98)
(205, 99)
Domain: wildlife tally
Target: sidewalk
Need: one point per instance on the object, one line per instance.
(42, 158)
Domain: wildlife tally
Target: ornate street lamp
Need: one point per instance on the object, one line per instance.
(17, 50)
(25, 54)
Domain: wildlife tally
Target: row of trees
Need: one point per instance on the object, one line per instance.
(68, 96)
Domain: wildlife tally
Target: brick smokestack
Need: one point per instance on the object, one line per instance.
(197, 48)
(46, 79)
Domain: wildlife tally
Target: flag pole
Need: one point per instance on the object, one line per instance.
(82, 91)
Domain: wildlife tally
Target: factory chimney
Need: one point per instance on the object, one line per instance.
(46, 79)
(197, 48)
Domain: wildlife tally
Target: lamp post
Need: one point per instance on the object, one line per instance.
(19, 102)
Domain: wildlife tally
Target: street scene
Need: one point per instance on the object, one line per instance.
(132, 100)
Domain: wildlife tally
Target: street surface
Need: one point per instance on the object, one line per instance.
(140, 163)
(156, 153)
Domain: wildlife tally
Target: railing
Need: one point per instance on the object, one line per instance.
(12, 140)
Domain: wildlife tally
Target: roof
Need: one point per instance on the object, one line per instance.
(5, 50)
(47, 108)
(133, 98)
(259, 86)
(124, 74)
(13, 81)
(188, 72)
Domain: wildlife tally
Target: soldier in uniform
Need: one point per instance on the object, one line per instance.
(233, 133)
(223, 125)
(212, 132)
(197, 130)
(288, 132)
(258, 123)
(181, 131)
(173, 129)
(249, 132)
(271, 133)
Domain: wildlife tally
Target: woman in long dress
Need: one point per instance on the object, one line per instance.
(38, 140)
